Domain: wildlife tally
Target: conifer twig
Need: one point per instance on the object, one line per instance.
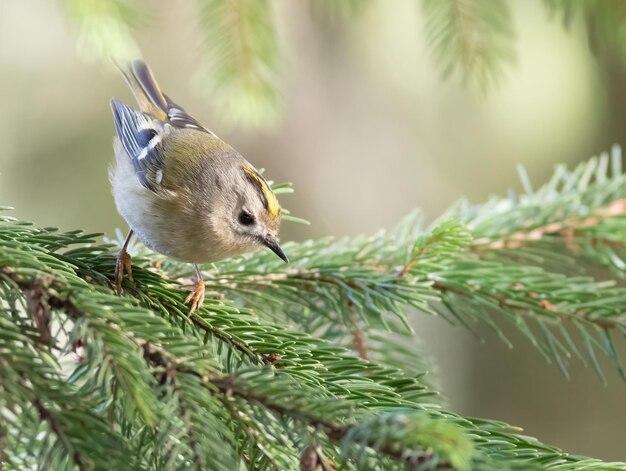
(242, 381)
(564, 229)
(227, 387)
(58, 431)
(248, 351)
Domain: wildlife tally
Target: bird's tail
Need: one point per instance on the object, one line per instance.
(145, 88)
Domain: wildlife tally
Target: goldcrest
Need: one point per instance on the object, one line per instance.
(182, 190)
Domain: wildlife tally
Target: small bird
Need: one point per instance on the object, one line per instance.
(184, 192)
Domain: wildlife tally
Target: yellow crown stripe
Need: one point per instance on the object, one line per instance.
(273, 208)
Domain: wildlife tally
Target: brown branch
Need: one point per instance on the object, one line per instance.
(564, 229)
(358, 336)
(58, 431)
(35, 293)
(46, 416)
(243, 54)
(469, 45)
(3, 441)
(312, 458)
(429, 242)
(406, 268)
(358, 339)
(193, 441)
(542, 303)
(325, 463)
(156, 356)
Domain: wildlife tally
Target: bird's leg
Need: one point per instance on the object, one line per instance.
(196, 297)
(123, 264)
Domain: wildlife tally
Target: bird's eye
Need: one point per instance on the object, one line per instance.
(246, 218)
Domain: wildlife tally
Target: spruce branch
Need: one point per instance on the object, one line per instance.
(56, 427)
(280, 397)
(31, 391)
(104, 28)
(242, 55)
(180, 346)
(284, 400)
(343, 10)
(568, 230)
(242, 58)
(578, 200)
(241, 383)
(75, 310)
(473, 37)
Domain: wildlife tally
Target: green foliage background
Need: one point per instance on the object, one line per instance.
(240, 384)
(473, 40)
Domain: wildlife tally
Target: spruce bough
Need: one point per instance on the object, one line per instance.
(309, 366)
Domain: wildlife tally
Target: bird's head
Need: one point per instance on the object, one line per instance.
(249, 215)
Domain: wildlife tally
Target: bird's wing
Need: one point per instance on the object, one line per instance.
(141, 136)
(180, 118)
(152, 100)
(142, 132)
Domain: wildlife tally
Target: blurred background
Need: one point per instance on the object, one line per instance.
(365, 127)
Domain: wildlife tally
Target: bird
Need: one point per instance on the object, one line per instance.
(183, 191)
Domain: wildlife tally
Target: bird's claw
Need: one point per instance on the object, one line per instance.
(196, 297)
(123, 264)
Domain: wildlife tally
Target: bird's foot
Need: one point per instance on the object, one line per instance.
(196, 297)
(123, 264)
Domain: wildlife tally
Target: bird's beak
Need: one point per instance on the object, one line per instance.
(272, 244)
